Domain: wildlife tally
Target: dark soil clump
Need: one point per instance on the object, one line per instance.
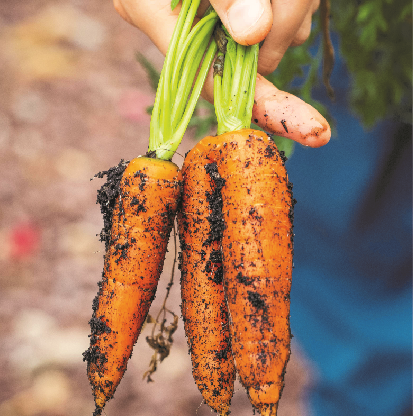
(107, 195)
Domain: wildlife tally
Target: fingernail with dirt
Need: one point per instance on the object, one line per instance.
(244, 15)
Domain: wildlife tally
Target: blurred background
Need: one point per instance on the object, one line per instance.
(73, 102)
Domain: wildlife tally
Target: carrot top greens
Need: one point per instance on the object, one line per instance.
(235, 72)
(186, 66)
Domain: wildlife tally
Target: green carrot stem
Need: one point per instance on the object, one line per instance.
(189, 42)
(167, 149)
(226, 80)
(174, 102)
(247, 86)
(189, 72)
(253, 80)
(185, 19)
(194, 4)
(155, 135)
(244, 85)
(226, 122)
(218, 95)
(236, 78)
(234, 85)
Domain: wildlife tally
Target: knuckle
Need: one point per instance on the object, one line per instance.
(302, 35)
(266, 70)
(117, 5)
(268, 64)
(316, 5)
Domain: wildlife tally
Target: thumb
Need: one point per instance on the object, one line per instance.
(247, 21)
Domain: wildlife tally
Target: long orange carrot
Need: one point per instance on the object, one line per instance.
(204, 308)
(146, 201)
(256, 250)
(133, 263)
(256, 243)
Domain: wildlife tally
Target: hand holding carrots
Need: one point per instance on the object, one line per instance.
(249, 22)
(236, 268)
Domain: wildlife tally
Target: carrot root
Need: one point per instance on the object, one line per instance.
(269, 411)
(141, 223)
(203, 301)
(257, 248)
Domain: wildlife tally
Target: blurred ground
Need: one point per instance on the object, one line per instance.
(72, 103)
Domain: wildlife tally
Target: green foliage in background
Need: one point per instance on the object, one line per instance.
(375, 42)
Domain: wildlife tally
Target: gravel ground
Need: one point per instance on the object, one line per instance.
(72, 103)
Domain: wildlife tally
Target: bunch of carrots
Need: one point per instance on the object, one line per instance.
(234, 209)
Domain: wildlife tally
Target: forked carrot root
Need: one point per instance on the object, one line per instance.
(257, 246)
(254, 231)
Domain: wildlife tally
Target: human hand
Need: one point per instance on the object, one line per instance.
(281, 23)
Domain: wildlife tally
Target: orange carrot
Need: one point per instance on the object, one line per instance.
(204, 308)
(256, 254)
(133, 263)
(256, 243)
(145, 202)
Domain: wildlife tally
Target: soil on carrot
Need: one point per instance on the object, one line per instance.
(270, 153)
(214, 199)
(216, 222)
(291, 213)
(98, 327)
(107, 195)
(217, 225)
(106, 198)
(257, 301)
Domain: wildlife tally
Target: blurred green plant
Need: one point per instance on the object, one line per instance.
(151, 71)
(375, 43)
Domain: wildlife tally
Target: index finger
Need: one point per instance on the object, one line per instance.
(286, 115)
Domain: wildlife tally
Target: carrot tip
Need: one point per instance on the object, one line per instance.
(98, 411)
(269, 411)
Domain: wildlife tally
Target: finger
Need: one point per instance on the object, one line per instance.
(288, 19)
(303, 33)
(283, 114)
(288, 116)
(315, 5)
(247, 21)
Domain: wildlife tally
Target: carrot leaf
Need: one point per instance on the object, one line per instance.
(189, 57)
(235, 73)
